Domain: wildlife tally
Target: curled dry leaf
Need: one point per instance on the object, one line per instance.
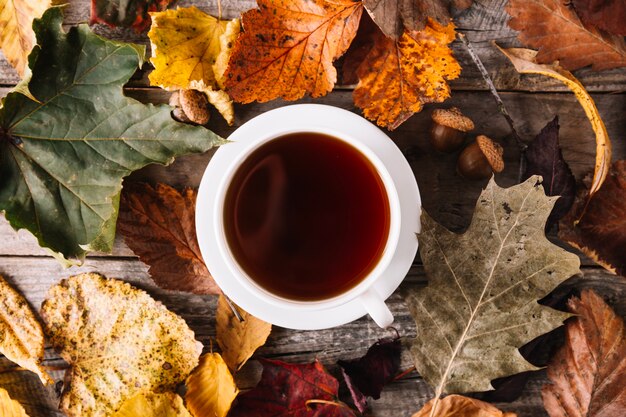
(481, 305)
(119, 342)
(459, 406)
(287, 390)
(588, 374)
(368, 375)
(158, 224)
(62, 160)
(397, 78)
(601, 231)
(544, 157)
(126, 13)
(150, 404)
(553, 27)
(606, 15)
(211, 388)
(16, 34)
(9, 407)
(190, 50)
(238, 339)
(524, 61)
(288, 47)
(21, 336)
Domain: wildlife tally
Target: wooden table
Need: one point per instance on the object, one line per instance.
(532, 102)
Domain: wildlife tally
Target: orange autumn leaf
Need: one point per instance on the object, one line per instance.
(288, 47)
(397, 78)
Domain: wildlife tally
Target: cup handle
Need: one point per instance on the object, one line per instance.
(376, 308)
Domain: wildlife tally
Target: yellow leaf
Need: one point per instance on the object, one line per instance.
(190, 50)
(524, 61)
(16, 34)
(9, 407)
(153, 405)
(238, 339)
(21, 336)
(211, 388)
(459, 406)
(119, 342)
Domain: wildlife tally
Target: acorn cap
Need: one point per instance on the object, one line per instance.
(492, 151)
(453, 118)
(195, 104)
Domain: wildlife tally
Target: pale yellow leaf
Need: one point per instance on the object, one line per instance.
(16, 34)
(227, 42)
(524, 61)
(21, 336)
(153, 405)
(238, 339)
(211, 388)
(9, 407)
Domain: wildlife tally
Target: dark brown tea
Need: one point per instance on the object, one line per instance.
(306, 216)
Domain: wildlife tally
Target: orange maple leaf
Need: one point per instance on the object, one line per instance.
(397, 78)
(288, 47)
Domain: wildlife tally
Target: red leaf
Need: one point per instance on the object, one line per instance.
(368, 375)
(128, 13)
(609, 15)
(285, 389)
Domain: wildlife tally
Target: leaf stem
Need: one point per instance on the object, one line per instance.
(404, 373)
(327, 402)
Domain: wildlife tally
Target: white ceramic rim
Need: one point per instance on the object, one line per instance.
(404, 202)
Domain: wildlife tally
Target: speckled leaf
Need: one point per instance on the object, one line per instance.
(63, 157)
(21, 336)
(149, 404)
(481, 305)
(211, 388)
(9, 407)
(119, 342)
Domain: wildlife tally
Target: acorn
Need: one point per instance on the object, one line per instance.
(480, 159)
(448, 129)
(190, 106)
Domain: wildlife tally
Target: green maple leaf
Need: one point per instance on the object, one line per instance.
(64, 154)
(481, 305)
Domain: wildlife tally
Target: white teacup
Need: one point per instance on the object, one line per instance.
(404, 208)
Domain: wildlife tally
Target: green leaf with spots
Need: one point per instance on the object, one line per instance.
(481, 304)
(63, 155)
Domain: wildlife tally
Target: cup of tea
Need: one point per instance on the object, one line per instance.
(307, 219)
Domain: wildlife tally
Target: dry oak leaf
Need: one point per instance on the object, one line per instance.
(524, 61)
(21, 336)
(237, 338)
(119, 342)
(601, 232)
(553, 27)
(588, 374)
(190, 50)
(10, 407)
(393, 16)
(397, 78)
(153, 405)
(460, 406)
(126, 13)
(480, 304)
(158, 224)
(290, 390)
(288, 47)
(17, 37)
(211, 388)
(608, 15)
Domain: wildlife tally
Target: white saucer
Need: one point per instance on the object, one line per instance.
(309, 117)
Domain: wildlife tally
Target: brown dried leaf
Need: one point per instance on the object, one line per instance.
(288, 47)
(21, 336)
(588, 374)
(9, 407)
(608, 15)
(397, 78)
(459, 406)
(394, 16)
(553, 27)
(211, 388)
(601, 232)
(158, 224)
(238, 339)
(119, 342)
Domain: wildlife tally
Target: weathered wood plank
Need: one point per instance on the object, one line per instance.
(483, 23)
